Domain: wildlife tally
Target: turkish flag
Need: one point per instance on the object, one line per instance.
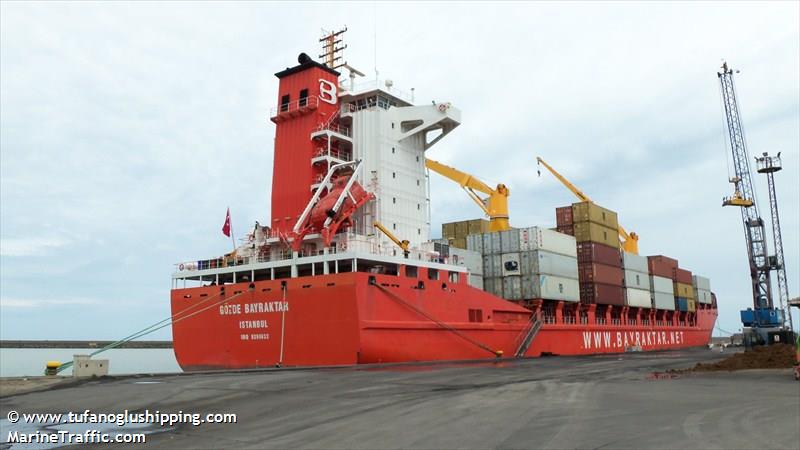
(226, 227)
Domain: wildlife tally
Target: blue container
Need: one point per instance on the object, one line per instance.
(681, 304)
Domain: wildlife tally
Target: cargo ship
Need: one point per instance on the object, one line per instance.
(345, 273)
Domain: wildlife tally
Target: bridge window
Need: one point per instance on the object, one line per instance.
(303, 97)
(285, 102)
(453, 277)
(433, 274)
(411, 271)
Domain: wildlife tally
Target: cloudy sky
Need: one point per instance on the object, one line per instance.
(128, 128)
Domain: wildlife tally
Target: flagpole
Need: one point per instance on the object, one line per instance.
(231, 225)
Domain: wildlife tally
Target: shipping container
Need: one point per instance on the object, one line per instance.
(702, 296)
(682, 276)
(564, 217)
(458, 242)
(590, 212)
(538, 238)
(470, 259)
(692, 306)
(476, 280)
(638, 297)
(493, 285)
(594, 252)
(600, 273)
(493, 266)
(568, 230)
(550, 287)
(637, 280)
(701, 282)
(683, 290)
(512, 288)
(593, 232)
(681, 304)
(496, 244)
(510, 264)
(542, 262)
(663, 301)
(462, 229)
(448, 230)
(604, 294)
(634, 262)
(662, 285)
(661, 266)
(477, 226)
(509, 241)
(475, 243)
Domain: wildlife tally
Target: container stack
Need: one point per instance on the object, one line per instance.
(637, 281)
(684, 292)
(456, 232)
(599, 263)
(702, 289)
(529, 263)
(662, 290)
(564, 222)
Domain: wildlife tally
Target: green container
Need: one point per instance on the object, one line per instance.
(590, 212)
(593, 232)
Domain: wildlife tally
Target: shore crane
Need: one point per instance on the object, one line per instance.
(629, 241)
(764, 317)
(495, 205)
(403, 244)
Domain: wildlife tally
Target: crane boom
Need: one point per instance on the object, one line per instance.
(495, 205)
(403, 244)
(630, 241)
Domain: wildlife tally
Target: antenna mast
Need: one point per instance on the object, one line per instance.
(332, 48)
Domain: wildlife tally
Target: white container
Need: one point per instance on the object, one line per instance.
(509, 241)
(701, 282)
(663, 301)
(492, 266)
(538, 238)
(538, 262)
(662, 285)
(703, 296)
(475, 243)
(475, 281)
(471, 260)
(493, 285)
(550, 288)
(634, 262)
(638, 297)
(510, 264)
(512, 288)
(637, 280)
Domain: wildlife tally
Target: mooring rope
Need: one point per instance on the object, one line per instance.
(173, 319)
(497, 353)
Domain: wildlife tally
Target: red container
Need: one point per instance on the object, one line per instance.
(564, 216)
(661, 266)
(604, 294)
(682, 276)
(600, 273)
(566, 229)
(592, 252)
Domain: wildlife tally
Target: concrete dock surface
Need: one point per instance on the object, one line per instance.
(606, 401)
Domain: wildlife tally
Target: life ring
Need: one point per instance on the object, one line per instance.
(442, 107)
(344, 245)
(252, 238)
(181, 267)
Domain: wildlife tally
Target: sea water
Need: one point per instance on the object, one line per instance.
(18, 362)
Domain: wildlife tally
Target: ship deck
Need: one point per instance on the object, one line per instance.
(565, 402)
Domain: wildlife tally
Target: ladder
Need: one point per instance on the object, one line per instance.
(535, 325)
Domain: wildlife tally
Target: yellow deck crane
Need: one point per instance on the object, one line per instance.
(495, 205)
(630, 241)
(403, 244)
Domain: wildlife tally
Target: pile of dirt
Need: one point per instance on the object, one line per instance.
(776, 356)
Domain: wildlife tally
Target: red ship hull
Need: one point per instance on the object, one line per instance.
(359, 318)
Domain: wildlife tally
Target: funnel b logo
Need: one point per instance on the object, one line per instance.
(327, 91)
